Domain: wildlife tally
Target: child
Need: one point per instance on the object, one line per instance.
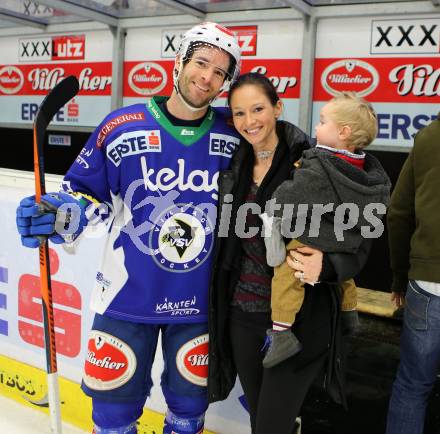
(335, 172)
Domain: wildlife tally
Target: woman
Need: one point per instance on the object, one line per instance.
(240, 292)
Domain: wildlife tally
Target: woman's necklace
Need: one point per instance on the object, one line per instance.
(264, 155)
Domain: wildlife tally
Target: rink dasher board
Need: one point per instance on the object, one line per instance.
(27, 385)
(21, 352)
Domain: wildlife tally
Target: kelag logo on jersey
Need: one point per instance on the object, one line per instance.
(222, 145)
(182, 238)
(132, 143)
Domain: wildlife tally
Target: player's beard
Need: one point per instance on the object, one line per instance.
(185, 93)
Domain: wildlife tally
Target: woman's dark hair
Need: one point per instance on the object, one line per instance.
(256, 79)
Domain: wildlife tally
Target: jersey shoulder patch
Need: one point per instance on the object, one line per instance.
(134, 115)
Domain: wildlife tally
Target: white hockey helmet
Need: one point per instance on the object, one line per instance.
(217, 36)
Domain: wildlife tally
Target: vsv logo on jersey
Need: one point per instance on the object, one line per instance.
(222, 145)
(182, 239)
(132, 143)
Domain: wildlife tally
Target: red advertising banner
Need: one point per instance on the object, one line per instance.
(284, 73)
(247, 39)
(145, 79)
(140, 78)
(94, 78)
(401, 80)
(68, 47)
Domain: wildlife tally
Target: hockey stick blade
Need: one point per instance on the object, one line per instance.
(62, 93)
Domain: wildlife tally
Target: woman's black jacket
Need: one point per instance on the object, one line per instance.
(226, 269)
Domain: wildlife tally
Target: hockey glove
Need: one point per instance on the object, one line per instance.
(59, 217)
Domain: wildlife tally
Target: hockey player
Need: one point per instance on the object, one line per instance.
(150, 170)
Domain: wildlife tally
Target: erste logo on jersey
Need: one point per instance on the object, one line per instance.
(133, 143)
(110, 362)
(192, 360)
(182, 238)
(222, 145)
(350, 75)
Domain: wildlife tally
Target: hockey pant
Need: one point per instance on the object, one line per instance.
(118, 374)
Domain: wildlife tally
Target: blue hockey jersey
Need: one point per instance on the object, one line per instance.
(160, 183)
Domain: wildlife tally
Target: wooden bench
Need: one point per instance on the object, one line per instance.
(376, 303)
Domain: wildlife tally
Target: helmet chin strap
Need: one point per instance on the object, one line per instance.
(188, 105)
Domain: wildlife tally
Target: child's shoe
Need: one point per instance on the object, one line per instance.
(281, 345)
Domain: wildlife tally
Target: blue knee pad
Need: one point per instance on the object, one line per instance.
(186, 414)
(116, 417)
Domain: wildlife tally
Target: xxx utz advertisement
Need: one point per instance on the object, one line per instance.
(33, 65)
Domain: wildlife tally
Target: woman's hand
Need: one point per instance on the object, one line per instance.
(398, 298)
(307, 262)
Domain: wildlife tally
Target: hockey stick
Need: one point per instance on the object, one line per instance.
(55, 99)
